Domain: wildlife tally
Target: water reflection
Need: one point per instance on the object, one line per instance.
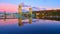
(40, 25)
(13, 25)
(25, 21)
(8, 22)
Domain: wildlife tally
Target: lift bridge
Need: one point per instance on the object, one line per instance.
(20, 15)
(15, 15)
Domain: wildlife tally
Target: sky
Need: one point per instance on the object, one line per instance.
(13, 4)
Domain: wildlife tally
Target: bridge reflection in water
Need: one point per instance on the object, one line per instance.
(24, 18)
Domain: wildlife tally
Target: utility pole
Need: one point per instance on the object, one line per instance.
(4, 15)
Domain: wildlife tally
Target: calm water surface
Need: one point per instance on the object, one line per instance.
(11, 26)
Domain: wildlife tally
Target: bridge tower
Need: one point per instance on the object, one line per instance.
(20, 13)
(30, 13)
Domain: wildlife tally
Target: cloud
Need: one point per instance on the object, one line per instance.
(11, 7)
(8, 7)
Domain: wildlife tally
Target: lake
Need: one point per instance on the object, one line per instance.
(41, 26)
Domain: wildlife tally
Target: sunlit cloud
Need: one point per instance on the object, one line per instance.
(11, 7)
(8, 7)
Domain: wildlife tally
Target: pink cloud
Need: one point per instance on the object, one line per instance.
(48, 8)
(8, 7)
